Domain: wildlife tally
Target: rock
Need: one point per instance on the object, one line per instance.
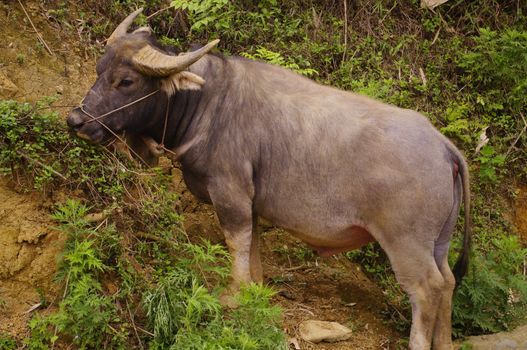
(316, 331)
(515, 340)
(430, 4)
(7, 88)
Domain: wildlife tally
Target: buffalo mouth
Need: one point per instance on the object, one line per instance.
(93, 131)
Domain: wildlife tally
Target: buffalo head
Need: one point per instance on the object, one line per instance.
(135, 79)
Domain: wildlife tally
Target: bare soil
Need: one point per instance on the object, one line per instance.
(29, 248)
(520, 213)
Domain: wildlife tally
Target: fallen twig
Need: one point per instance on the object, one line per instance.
(47, 167)
(33, 308)
(158, 11)
(134, 326)
(436, 36)
(146, 332)
(40, 38)
(345, 30)
(294, 268)
(519, 135)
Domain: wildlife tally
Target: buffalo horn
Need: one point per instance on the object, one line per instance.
(155, 63)
(123, 27)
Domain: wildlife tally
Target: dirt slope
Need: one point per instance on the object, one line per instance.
(29, 247)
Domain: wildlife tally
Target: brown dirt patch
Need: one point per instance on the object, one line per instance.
(520, 213)
(327, 289)
(29, 248)
(28, 72)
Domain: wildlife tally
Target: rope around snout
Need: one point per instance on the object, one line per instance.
(159, 147)
(113, 110)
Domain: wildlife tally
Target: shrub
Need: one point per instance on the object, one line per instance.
(7, 343)
(493, 295)
(35, 145)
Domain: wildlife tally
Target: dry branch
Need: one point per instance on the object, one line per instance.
(40, 38)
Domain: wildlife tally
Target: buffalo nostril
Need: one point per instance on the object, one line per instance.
(74, 121)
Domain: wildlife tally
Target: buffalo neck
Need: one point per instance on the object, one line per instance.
(181, 110)
(191, 113)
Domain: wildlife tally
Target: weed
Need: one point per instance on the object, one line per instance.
(85, 313)
(489, 162)
(298, 252)
(191, 318)
(495, 274)
(7, 343)
(35, 144)
(216, 13)
(20, 58)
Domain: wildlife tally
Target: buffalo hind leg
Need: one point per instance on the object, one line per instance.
(442, 339)
(256, 261)
(417, 273)
(443, 327)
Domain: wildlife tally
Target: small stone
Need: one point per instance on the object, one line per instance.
(286, 294)
(513, 340)
(430, 4)
(317, 331)
(506, 344)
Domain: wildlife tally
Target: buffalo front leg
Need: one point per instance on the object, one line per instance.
(234, 210)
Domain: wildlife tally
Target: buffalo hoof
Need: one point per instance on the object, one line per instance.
(228, 300)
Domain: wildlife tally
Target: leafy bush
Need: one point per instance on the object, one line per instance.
(34, 144)
(185, 316)
(203, 13)
(496, 71)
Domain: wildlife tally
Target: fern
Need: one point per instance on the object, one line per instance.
(494, 276)
(204, 13)
(261, 53)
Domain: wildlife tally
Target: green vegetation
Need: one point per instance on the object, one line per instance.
(35, 147)
(7, 343)
(464, 66)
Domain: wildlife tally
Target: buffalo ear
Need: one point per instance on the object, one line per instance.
(184, 80)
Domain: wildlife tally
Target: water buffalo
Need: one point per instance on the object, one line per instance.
(336, 169)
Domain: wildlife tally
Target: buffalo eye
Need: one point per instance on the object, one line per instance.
(125, 83)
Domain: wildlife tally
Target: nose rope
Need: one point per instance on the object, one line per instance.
(160, 146)
(93, 118)
(116, 109)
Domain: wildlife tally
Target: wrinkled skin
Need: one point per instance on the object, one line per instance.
(336, 169)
